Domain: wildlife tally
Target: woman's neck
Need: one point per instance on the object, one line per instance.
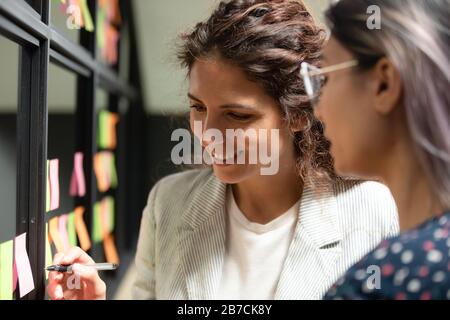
(262, 199)
(416, 201)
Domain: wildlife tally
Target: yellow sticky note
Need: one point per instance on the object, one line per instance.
(6, 270)
(88, 23)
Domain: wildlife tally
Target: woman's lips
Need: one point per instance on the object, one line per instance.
(217, 160)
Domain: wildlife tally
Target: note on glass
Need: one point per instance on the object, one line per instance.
(80, 226)
(62, 228)
(6, 270)
(105, 170)
(108, 213)
(101, 22)
(77, 181)
(47, 194)
(54, 184)
(25, 276)
(110, 249)
(88, 23)
(97, 224)
(54, 234)
(107, 135)
(71, 231)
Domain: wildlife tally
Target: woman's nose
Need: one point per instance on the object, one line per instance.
(211, 134)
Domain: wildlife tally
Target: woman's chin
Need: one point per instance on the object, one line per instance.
(229, 174)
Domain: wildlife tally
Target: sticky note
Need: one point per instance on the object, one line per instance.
(105, 170)
(48, 250)
(54, 184)
(6, 270)
(77, 181)
(25, 276)
(102, 168)
(47, 194)
(54, 234)
(110, 208)
(62, 228)
(97, 230)
(101, 21)
(110, 249)
(113, 171)
(15, 277)
(88, 23)
(71, 231)
(80, 226)
(107, 129)
(113, 121)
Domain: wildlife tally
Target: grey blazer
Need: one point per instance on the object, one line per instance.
(182, 238)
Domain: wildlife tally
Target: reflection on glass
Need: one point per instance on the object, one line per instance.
(8, 137)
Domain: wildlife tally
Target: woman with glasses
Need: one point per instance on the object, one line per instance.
(230, 232)
(384, 97)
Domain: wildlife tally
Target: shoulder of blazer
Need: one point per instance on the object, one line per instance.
(176, 194)
(366, 205)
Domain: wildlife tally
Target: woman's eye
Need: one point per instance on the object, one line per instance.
(198, 108)
(240, 116)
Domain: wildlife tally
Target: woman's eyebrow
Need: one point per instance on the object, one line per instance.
(225, 106)
(236, 106)
(191, 96)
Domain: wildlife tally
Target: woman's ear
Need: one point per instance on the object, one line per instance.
(388, 86)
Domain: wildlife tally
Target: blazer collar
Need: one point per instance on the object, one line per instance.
(309, 265)
(201, 239)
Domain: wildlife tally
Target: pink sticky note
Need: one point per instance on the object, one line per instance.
(14, 277)
(73, 185)
(78, 182)
(25, 276)
(62, 228)
(79, 172)
(54, 184)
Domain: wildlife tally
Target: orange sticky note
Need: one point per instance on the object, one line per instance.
(110, 249)
(80, 226)
(53, 226)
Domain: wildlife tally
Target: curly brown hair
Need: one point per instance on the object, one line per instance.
(268, 40)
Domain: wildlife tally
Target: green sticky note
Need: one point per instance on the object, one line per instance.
(71, 231)
(47, 195)
(97, 235)
(88, 23)
(6, 270)
(114, 182)
(103, 121)
(101, 19)
(111, 213)
(48, 251)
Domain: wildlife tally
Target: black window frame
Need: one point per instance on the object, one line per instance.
(28, 23)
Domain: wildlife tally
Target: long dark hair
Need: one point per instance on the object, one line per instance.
(268, 39)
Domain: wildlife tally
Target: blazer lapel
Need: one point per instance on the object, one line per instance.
(316, 245)
(202, 240)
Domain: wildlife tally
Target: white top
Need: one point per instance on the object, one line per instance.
(255, 254)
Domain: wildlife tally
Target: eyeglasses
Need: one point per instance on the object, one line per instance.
(314, 78)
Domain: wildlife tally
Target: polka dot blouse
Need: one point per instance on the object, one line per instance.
(412, 266)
